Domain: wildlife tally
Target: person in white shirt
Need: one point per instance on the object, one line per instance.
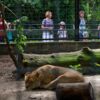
(62, 32)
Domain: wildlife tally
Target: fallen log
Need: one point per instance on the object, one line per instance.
(85, 57)
(75, 91)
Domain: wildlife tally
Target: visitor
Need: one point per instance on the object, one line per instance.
(2, 28)
(62, 32)
(83, 34)
(9, 33)
(99, 31)
(47, 26)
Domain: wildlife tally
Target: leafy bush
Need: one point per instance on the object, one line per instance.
(20, 39)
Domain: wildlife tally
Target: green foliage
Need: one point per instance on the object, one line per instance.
(88, 12)
(62, 9)
(20, 38)
(76, 67)
(91, 9)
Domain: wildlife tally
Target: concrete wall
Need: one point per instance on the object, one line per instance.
(53, 47)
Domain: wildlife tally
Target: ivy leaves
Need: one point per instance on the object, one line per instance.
(20, 39)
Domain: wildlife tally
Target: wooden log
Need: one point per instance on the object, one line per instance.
(75, 91)
(85, 57)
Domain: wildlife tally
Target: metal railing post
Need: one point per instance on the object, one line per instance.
(77, 3)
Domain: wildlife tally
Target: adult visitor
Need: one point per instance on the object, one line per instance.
(83, 34)
(47, 26)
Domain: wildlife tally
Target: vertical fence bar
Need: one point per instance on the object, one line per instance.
(77, 4)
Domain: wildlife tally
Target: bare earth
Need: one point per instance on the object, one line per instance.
(6, 68)
(10, 89)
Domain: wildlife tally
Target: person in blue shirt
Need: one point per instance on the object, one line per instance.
(82, 26)
(9, 33)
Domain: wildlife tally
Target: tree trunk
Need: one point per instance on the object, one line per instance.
(84, 57)
(10, 51)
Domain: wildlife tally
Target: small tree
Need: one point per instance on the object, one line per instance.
(19, 41)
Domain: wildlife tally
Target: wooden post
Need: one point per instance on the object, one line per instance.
(75, 91)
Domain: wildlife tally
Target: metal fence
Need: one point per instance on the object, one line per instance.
(34, 32)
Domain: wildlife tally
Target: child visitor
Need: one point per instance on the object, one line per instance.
(62, 33)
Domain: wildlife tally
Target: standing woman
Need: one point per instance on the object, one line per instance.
(82, 26)
(47, 26)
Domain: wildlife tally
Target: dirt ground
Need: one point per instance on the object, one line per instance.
(11, 89)
(6, 69)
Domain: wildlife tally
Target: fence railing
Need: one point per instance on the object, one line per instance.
(34, 32)
(68, 34)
